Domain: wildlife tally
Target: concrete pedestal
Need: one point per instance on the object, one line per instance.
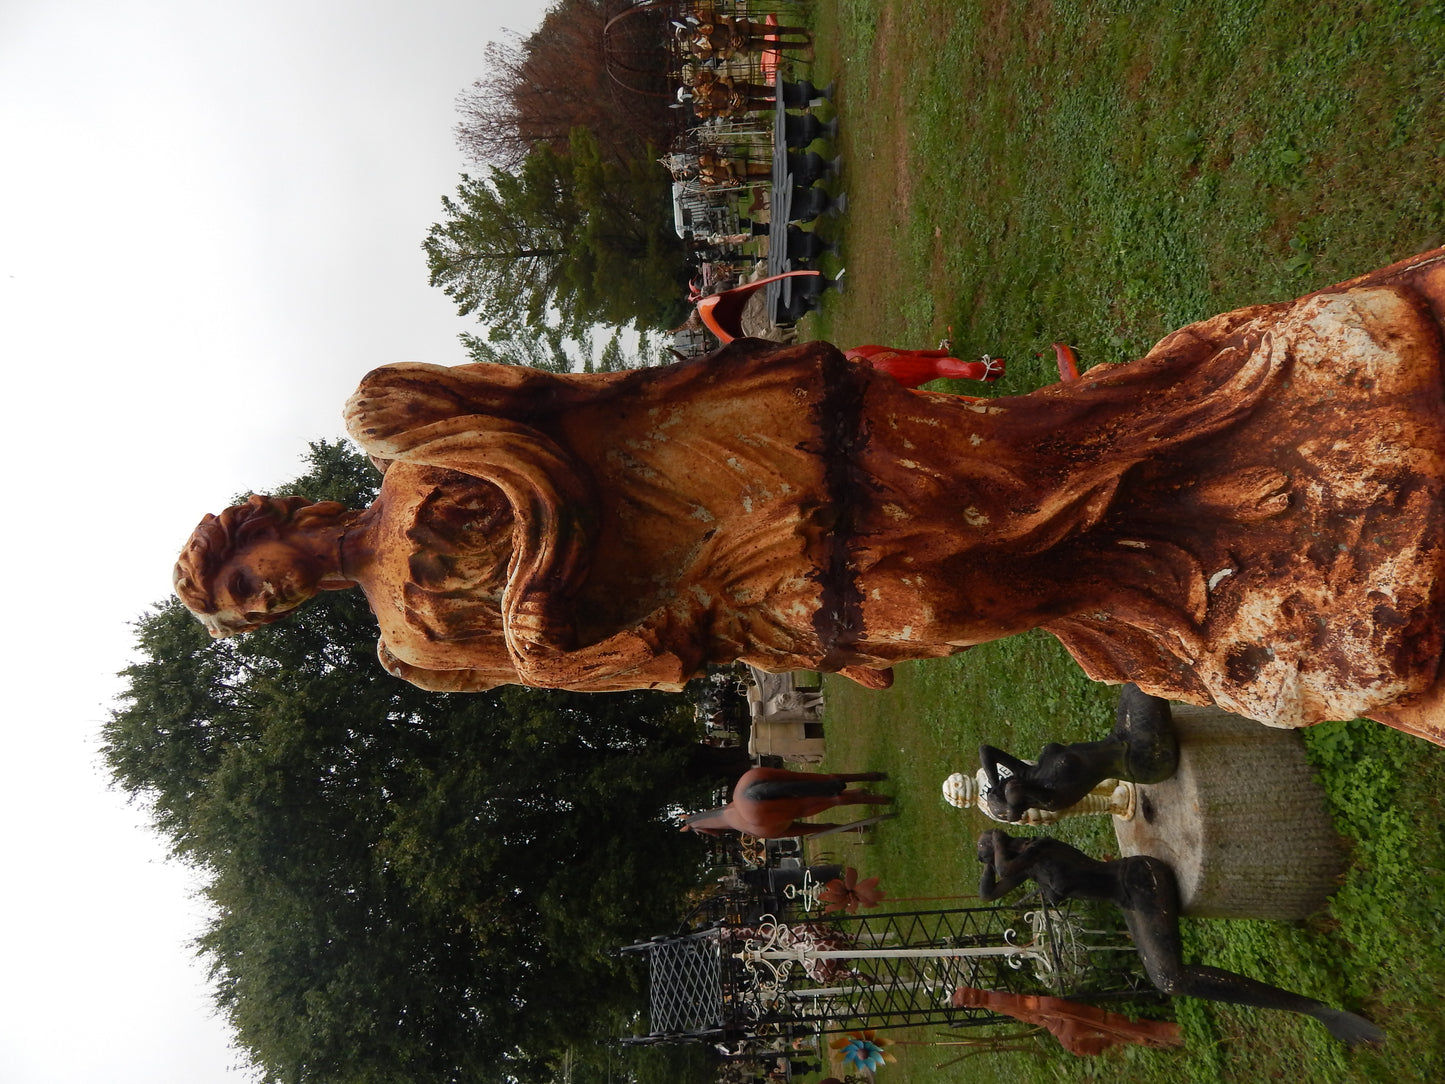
(1243, 821)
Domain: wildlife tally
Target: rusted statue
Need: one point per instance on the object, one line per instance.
(1081, 1029)
(715, 94)
(770, 803)
(710, 36)
(1141, 749)
(1144, 889)
(1252, 514)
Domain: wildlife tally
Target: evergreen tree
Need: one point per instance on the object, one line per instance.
(406, 886)
(549, 349)
(567, 239)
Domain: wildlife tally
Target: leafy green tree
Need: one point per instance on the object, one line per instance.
(405, 886)
(564, 240)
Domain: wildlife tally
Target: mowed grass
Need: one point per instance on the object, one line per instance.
(1101, 173)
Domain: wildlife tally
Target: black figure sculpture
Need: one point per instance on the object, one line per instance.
(1141, 749)
(1145, 889)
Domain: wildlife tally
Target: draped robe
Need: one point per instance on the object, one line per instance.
(1250, 514)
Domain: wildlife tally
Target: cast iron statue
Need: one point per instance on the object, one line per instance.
(1252, 514)
(1145, 890)
(1141, 749)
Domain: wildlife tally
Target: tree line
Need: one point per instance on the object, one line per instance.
(408, 886)
(570, 223)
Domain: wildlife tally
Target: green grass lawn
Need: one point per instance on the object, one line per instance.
(1101, 173)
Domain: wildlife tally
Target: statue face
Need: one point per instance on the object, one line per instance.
(262, 583)
(984, 847)
(987, 841)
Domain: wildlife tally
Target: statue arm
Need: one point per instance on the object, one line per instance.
(444, 681)
(1001, 873)
(993, 887)
(1000, 765)
(870, 677)
(603, 667)
(635, 658)
(1009, 777)
(393, 402)
(707, 831)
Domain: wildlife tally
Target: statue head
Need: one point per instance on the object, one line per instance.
(978, 791)
(248, 566)
(992, 800)
(994, 839)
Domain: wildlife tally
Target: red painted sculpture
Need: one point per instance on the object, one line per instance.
(770, 803)
(914, 367)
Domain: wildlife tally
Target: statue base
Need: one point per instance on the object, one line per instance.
(1242, 822)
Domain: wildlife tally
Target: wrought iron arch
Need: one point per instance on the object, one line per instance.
(630, 63)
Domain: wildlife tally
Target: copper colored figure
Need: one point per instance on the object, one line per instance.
(1081, 1029)
(1252, 514)
(770, 803)
(720, 37)
(1144, 889)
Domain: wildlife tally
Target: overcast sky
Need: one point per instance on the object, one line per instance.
(210, 227)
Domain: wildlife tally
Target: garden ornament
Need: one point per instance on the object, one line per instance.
(1144, 889)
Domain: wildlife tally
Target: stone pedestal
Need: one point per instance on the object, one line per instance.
(1243, 821)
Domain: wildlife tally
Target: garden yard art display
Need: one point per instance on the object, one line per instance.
(1250, 515)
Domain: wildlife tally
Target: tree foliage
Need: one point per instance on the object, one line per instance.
(406, 886)
(565, 240)
(567, 75)
(550, 350)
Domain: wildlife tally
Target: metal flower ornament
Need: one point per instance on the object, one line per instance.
(847, 893)
(864, 1051)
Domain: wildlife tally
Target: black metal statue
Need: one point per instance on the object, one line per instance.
(1145, 889)
(1141, 749)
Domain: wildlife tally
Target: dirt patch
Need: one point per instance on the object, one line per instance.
(1138, 74)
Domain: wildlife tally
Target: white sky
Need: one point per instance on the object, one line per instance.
(210, 227)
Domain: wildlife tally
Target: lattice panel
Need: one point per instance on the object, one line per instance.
(687, 995)
(875, 970)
